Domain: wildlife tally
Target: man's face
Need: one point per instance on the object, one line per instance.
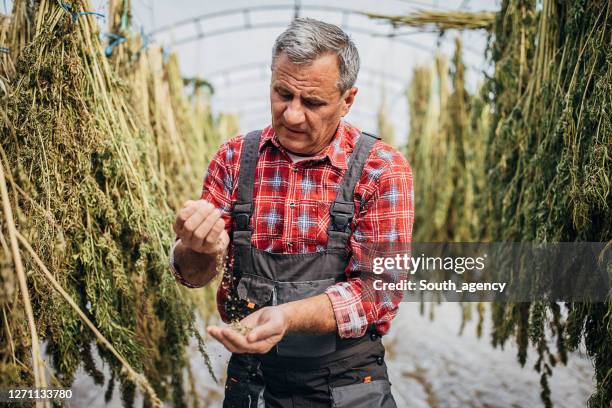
(307, 104)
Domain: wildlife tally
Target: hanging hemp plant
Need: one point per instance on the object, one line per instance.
(546, 175)
(383, 124)
(446, 147)
(549, 164)
(98, 149)
(441, 20)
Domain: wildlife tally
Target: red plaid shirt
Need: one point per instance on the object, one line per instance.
(291, 213)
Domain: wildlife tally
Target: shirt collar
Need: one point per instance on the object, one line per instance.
(336, 152)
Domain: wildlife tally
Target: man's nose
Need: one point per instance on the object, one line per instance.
(294, 114)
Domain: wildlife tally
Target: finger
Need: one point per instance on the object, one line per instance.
(237, 340)
(223, 239)
(203, 210)
(230, 346)
(212, 329)
(212, 240)
(200, 235)
(261, 347)
(187, 210)
(189, 203)
(263, 332)
(217, 333)
(240, 343)
(183, 215)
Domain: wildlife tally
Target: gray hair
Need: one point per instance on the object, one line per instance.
(306, 39)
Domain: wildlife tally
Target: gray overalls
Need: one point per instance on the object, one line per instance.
(303, 370)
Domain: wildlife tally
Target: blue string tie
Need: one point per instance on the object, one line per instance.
(115, 41)
(75, 15)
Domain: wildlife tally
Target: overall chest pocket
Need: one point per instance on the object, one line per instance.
(256, 289)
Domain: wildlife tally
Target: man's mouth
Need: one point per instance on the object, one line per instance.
(294, 130)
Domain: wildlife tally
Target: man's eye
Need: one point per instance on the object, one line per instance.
(286, 96)
(313, 104)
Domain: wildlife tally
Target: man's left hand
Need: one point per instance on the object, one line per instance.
(268, 324)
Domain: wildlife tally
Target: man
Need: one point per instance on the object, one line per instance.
(294, 207)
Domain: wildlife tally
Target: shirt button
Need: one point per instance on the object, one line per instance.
(289, 244)
(292, 205)
(373, 336)
(295, 169)
(379, 361)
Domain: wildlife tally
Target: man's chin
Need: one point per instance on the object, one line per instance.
(297, 144)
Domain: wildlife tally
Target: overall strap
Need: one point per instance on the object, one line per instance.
(243, 207)
(342, 209)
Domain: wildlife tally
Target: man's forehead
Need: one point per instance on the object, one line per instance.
(317, 75)
(282, 82)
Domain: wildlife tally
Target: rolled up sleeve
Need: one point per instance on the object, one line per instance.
(218, 189)
(386, 217)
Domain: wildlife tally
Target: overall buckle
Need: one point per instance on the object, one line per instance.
(341, 215)
(241, 214)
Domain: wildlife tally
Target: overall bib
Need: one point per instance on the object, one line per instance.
(302, 370)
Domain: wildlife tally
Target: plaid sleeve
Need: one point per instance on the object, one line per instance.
(220, 179)
(386, 217)
(219, 189)
(218, 186)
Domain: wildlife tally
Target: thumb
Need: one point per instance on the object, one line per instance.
(263, 332)
(188, 203)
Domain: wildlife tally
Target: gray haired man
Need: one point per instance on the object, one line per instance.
(294, 205)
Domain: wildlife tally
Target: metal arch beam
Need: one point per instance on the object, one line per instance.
(245, 12)
(365, 83)
(368, 81)
(257, 66)
(252, 97)
(397, 38)
(242, 10)
(237, 68)
(268, 7)
(283, 24)
(422, 4)
(263, 66)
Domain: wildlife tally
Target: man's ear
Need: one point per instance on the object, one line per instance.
(347, 100)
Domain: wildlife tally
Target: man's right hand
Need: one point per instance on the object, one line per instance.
(200, 227)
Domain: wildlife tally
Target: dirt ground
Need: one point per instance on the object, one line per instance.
(429, 366)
